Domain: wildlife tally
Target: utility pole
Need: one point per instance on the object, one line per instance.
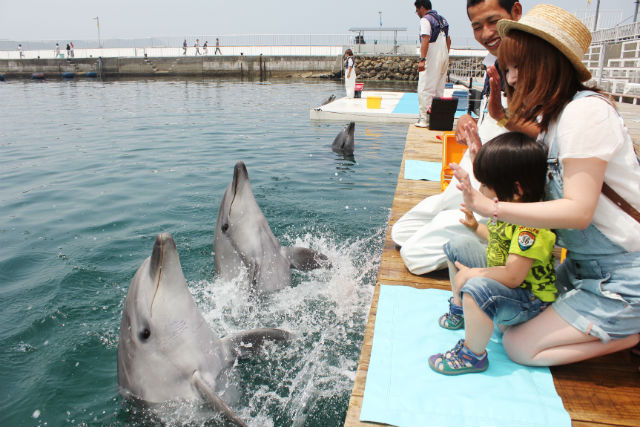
(380, 13)
(98, 25)
(635, 15)
(595, 21)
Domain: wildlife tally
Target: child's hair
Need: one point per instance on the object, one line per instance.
(349, 52)
(509, 158)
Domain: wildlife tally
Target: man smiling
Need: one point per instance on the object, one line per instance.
(423, 230)
(484, 16)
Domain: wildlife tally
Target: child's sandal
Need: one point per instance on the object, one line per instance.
(459, 360)
(454, 319)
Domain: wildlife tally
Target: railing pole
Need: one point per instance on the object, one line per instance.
(601, 64)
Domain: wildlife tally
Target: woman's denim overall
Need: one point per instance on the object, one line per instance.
(599, 282)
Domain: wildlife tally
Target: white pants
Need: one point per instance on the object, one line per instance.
(423, 230)
(431, 81)
(350, 83)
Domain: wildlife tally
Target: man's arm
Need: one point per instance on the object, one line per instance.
(424, 48)
(448, 43)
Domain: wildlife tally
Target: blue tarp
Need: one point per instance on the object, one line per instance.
(402, 390)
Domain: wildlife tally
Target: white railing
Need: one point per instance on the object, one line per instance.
(231, 44)
(155, 52)
(152, 52)
(620, 32)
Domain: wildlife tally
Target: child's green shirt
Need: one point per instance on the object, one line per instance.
(534, 243)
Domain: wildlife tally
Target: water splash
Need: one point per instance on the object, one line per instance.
(311, 377)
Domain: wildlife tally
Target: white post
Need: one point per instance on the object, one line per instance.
(601, 64)
(98, 25)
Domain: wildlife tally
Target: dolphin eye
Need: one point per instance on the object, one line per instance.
(145, 334)
(225, 227)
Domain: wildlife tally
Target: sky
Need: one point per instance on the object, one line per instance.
(34, 20)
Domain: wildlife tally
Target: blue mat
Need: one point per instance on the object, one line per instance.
(402, 390)
(408, 104)
(420, 170)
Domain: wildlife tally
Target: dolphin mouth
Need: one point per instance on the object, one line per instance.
(239, 172)
(157, 262)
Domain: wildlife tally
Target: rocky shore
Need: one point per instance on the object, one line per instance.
(404, 68)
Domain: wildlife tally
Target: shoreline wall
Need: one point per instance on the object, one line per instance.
(242, 65)
(368, 67)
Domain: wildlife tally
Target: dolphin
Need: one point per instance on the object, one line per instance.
(166, 351)
(331, 98)
(328, 100)
(243, 241)
(343, 143)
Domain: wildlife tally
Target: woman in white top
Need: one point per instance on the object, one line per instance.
(598, 309)
(350, 74)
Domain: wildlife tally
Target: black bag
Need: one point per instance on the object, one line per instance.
(443, 111)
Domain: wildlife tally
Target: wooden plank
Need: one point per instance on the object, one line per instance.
(602, 392)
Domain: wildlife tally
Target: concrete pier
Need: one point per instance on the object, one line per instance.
(239, 65)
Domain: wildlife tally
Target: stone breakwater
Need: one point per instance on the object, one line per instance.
(405, 68)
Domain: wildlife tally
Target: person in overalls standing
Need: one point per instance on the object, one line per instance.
(434, 57)
(350, 74)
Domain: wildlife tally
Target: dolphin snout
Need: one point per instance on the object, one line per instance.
(240, 170)
(240, 175)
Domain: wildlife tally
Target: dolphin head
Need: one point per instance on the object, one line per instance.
(243, 240)
(164, 338)
(344, 142)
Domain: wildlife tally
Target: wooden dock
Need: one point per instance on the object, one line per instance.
(600, 392)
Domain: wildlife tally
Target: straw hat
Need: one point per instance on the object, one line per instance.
(558, 27)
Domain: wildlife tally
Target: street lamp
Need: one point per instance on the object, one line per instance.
(380, 13)
(98, 25)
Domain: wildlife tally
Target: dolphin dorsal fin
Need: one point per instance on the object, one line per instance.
(304, 259)
(212, 398)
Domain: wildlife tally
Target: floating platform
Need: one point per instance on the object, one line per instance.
(395, 107)
(603, 391)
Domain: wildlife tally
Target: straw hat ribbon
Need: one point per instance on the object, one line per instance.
(558, 27)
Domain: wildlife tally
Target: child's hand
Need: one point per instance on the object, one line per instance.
(464, 273)
(469, 220)
(473, 199)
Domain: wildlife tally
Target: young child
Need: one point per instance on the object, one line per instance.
(516, 279)
(350, 74)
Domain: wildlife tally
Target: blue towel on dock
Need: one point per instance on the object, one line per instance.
(402, 390)
(421, 170)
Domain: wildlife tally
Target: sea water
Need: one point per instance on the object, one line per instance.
(92, 171)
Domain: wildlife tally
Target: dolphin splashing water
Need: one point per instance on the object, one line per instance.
(243, 241)
(167, 351)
